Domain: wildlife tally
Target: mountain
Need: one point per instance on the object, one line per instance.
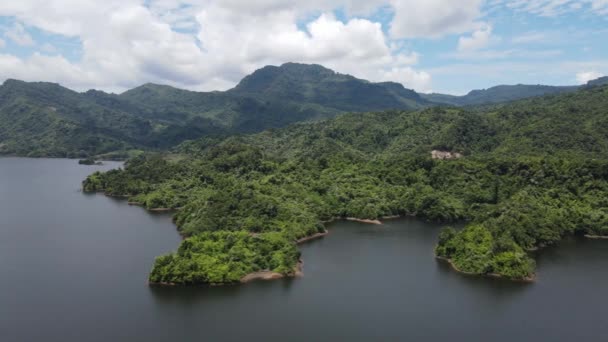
(303, 83)
(598, 82)
(572, 123)
(498, 94)
(45, 119)
(274, 97)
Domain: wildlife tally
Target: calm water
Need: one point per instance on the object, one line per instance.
(73, 267)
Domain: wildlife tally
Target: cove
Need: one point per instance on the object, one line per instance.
(74, 268)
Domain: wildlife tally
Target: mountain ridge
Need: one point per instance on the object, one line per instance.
(47, 119)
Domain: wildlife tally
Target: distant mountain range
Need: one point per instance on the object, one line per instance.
(506, 93)
(46, 119)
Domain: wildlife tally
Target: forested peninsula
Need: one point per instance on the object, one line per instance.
(530, 173)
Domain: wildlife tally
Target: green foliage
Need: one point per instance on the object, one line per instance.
(224, 257)
(44, 119)
(519, 187)
(473, 249)
(513, 265)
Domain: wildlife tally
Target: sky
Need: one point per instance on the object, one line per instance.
(442, 46)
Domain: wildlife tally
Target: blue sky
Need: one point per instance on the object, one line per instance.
(432, 45)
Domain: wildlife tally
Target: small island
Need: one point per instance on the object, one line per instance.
(89, 161)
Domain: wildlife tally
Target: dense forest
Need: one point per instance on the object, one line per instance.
(531, 172)
(47, 120)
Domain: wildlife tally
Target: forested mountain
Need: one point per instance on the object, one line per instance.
(303, 83)
(498, 94)
(598, 82)
(45, 119)
(531, 172)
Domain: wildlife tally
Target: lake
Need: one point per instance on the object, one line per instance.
(73, 267)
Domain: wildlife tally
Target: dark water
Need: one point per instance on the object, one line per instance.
(73, 268)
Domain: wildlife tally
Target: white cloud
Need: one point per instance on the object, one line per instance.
(48, 48)
(44, 68)
(358, 47)
(492, 54)
(125, 43)
(433, 18)
(479, 39)
(530, 37)
(551, 8)
(586, 76)
(600, 6)
(2, 43)
(19, 35)
(419, 80)
(212, 44)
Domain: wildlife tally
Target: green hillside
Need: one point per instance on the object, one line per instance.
(532, 172)
(303, 83)
(44, 119)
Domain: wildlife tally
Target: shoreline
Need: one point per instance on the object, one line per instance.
(530, 279)
(312, 237)
(264, 275)
(596, 237)
(354, 219)
(270, 275)
(154, 210)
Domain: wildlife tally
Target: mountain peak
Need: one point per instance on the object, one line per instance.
(315, 84)
(11, 82)
(301, 67)
(147, 90)
(287, 74)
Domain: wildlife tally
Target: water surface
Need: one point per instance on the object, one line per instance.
(73, 267)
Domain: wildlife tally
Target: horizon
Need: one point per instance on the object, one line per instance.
(278, 66)
(432, 46)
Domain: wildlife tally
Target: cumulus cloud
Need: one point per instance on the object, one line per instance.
(127, 42)
(478, 40)
(358, 46)
(44, 68)
(586, 76)
(212, 44)
(433, 18)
